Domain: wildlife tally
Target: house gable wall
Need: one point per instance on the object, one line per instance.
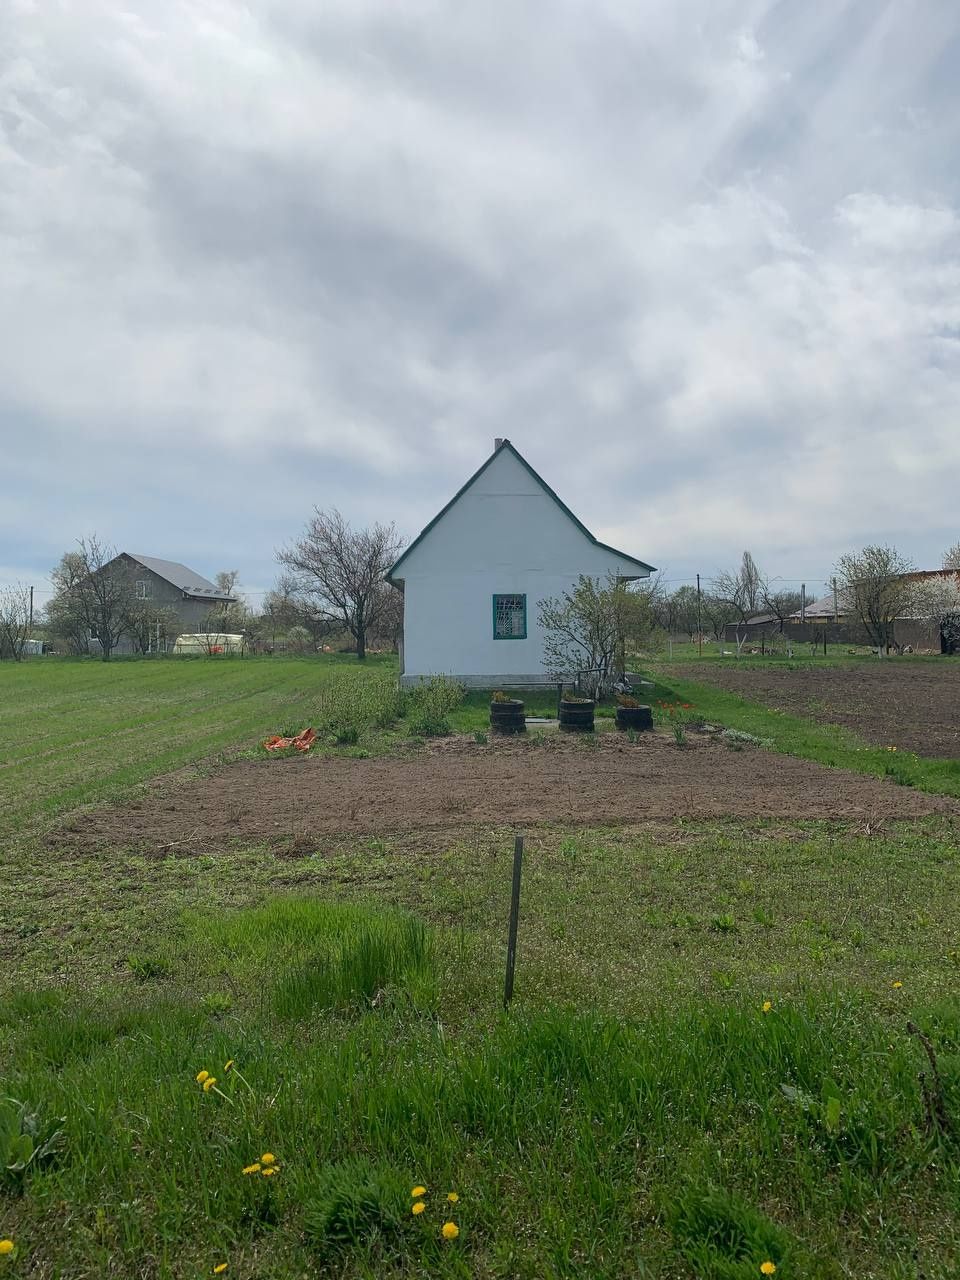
(505, 534)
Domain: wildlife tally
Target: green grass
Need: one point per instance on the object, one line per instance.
(79, 732)
(797, 736)
(701, 1139)
(635, 1114)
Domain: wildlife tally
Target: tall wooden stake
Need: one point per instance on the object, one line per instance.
(699, 622)
(514, 920)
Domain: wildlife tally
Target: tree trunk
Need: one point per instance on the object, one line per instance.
(361, 644)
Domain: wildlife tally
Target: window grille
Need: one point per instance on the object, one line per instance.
(143, 590)
(510, 617)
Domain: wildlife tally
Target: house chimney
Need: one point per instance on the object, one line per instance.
(498, 441)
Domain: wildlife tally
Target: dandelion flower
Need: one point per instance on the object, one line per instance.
(220, 1268)
(417, 1192)
(268, 1158)
(7, 1246)
(449, 1231)
(209, 1083)
(252, 1168)
(767, 1268)
(452, 1197)
(418, 1207)
(226, 1068)
(202, 1076)
(767, 1006)
(896, 985)
(268, 1173)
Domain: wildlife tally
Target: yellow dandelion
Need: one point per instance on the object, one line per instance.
(417, 1192)
(896, 985)
(268, 1158)
(202, 1076)
(7, 1246)
(226, 1068)
(220, 1268)
(252, 1168)
(268, 1173)
(418, 1207)
(767, 1268)
(449, 1231)
(767, 1006)
(452, 1197)
(209, 1083)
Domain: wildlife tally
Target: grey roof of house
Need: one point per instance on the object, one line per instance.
(822, 608)
(192, 584)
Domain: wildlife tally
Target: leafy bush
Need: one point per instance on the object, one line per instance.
(431, 703)
(352, 703)
(25, 1139)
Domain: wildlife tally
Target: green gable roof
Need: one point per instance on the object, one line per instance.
(506, 445)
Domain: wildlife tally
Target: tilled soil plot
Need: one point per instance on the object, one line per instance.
(911, 705)
(456, 783)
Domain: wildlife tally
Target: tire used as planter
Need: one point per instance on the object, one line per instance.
(638, 718)
(576, 717)
(507, 717)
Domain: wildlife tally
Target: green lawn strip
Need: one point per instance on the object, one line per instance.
(704, 1137)
(77, 732)
(797, 736)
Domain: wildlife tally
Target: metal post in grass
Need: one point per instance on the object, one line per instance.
(514, 920)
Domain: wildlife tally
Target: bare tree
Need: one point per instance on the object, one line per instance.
(65, 617)
(782, 604)
(876, 586)
(226, 580)
(150, 627)
(718, 613)
(93, 586)
(14, 621)
(951, 557)
(742, 592)
(341, 571)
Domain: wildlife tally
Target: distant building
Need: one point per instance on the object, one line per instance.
(166, 585)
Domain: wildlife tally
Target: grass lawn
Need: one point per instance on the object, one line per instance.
(638, 1112)
(79, 731)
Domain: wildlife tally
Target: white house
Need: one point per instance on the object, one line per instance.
(473, 578)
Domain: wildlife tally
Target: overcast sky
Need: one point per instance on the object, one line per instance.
(698, 259)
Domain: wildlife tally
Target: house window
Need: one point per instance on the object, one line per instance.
(509, 617)
(143, 590)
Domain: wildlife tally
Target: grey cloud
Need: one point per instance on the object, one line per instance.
(699, 261)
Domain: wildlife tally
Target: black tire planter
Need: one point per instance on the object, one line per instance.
(638, 718)
(576, 717)
(507, 717)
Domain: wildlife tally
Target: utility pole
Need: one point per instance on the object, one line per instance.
(699, 622)
(803, 602)
(836, 610)
(31, 608)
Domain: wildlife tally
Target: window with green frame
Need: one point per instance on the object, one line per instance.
(510, 617)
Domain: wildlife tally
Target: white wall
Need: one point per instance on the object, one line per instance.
(505, 535)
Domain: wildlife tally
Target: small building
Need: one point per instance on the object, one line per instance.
(473, 578)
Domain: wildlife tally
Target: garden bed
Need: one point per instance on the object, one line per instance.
(604, 780)
(908, 704)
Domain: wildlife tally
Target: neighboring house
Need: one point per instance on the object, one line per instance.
(167, 585)
(473, 578)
